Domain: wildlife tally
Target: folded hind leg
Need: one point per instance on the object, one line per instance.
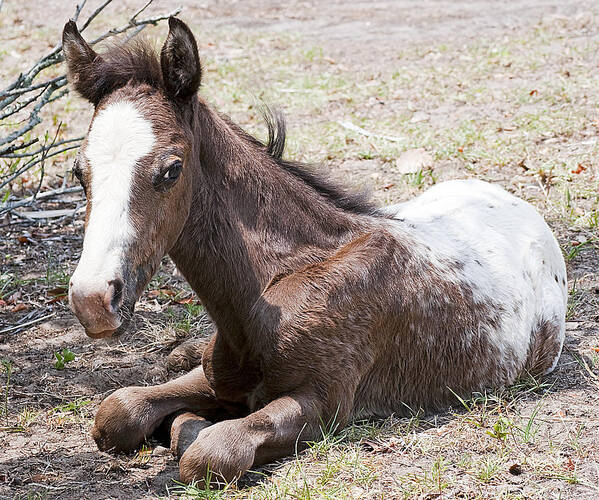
(545, 346)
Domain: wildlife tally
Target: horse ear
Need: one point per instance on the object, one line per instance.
(82, 63)
(181, 69)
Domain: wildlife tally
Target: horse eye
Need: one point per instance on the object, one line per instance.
(169, 176)
(174, 170)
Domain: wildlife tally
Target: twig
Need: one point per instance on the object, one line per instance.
(78, 10)
(31, 88)
(134, 16)
(134, 23)
(15, 99)
(41, 196)
(581, 361)
(41, 150)
(360, 130)
(29, 323)
(34, 162)
(15, 147)
(94, 14)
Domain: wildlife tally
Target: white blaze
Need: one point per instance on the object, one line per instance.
(119, 137)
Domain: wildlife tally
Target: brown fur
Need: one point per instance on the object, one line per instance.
(322, 314)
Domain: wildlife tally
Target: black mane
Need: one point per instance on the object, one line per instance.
(341, 197)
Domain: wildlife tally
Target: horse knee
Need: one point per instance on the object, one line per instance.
(123, 420)
(219, 455)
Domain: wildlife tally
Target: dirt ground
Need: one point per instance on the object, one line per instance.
(503, 91)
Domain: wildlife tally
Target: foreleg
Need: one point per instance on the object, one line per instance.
(224, 451)
(131, 414)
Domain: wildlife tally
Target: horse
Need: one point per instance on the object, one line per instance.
(326, 307)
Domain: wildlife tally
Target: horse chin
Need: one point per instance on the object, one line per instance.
(100, 335)
(116, 332)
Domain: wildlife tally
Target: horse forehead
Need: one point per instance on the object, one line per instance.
(119, 136)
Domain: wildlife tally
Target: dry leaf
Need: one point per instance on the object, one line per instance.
(25, 239)
(20, 307)
(188, 300)
(579, 169)
(516, 469)
(58, 298)
(414, 160)
(60, 290)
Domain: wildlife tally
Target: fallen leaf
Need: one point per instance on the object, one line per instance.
(414, 160)
(59, 298)
(560, 414)
(570, 465)
(579, 169)
(2, 303)
(389, 186)
(20, 307)
(460, 150)
(533, 92)
(188, 300)
(60, 290)
(516, 469)
(25, 239)
(596, 349)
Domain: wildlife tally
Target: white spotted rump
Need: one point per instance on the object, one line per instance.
(487, 240)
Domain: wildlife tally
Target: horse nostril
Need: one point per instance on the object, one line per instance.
(114, 294)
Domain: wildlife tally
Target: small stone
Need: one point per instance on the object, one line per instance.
(419, 116)
(160, 451)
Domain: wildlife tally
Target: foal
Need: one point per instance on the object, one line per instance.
(325, 307)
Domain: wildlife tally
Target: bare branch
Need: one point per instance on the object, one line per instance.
(24, 92)
(78, 10)
(133, 23)
(34, 162)
(7, 207)
(94, 14)
(134, 16)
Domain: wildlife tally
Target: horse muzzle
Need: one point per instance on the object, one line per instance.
(97, 305)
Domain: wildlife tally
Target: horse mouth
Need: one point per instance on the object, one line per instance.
(121, 326)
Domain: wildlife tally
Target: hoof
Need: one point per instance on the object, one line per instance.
(184, 431)
(186, 356)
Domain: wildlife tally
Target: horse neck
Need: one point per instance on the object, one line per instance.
(249, 221)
